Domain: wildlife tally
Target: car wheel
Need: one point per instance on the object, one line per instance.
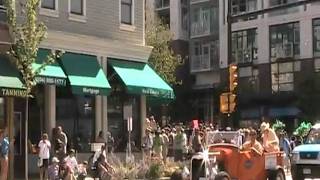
(222, 176)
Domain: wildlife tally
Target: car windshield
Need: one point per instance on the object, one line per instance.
(313, 137)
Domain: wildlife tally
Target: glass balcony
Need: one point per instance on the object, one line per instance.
(200, 28)
(200, 63)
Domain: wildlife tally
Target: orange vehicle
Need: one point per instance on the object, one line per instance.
(225, 161)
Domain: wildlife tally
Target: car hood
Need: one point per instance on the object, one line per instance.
(307, 148)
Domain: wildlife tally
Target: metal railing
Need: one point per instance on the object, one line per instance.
(200, 63)
(200, 28)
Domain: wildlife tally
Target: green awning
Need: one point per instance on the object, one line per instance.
(85, 74)
(140, 78)
(10, 80)
(51, 74)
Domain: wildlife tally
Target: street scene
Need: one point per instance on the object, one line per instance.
(159, 89)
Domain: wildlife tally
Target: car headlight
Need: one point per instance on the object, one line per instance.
(295, 156)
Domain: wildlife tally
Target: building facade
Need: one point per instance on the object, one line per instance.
(276, 53)
(100, 82)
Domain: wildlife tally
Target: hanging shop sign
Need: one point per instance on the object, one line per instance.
(51, 80)
(13, 92)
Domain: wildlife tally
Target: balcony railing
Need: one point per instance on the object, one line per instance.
(200, 63)
(200, 28)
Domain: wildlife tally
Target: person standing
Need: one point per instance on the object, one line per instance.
(269, 137)
(157, 144)
(165, 145)
(196, 142)
(4, 144)
(44, 155)
(178, 144)
(62, 139)
(148, 143)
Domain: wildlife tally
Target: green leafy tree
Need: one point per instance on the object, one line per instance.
(303, 129)
(27, 34)
(278, 126)
(162, 58)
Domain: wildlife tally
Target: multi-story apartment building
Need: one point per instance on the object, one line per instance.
(101, 80)
(176, 15)
(204, 56)
(275, 53)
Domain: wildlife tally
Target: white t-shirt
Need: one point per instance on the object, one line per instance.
(44, 146)
(72, 162)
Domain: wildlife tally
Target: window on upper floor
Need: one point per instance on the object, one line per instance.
(316, 37)
(127, 12)
(162, 4)
(77, 7)
(282, 76)
(284, 41)
(1, 3)
(184, 18)
(243, 6)
(245, 46)
(48, 4)
(280, 2)
(204, 21)
(205, 56)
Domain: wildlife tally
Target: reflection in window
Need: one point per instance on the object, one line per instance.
(77, 7)
(282, 76)
(204, 21)
(285, 41)
(204, 56)
(244, 6)
(126, 12)
(48, 4)
(245, 46)
(316, 37)
(77, 118)
(1, 2)
(162, 4)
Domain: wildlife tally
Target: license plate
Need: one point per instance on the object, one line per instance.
(306, 171)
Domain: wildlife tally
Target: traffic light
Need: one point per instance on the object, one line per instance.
(232, 103)
(233, 77)
(224, 103)
(227, 103)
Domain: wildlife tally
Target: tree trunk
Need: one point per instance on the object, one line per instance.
(10, 124)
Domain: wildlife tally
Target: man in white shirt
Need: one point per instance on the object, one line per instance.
(44, 155)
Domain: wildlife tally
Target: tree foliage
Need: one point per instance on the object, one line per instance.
(162, 58)
(303, 129)
(27, 35)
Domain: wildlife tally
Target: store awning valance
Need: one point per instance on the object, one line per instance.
(51, 74)
(85, 74)
(283, 111)
(11, 83)
(140, 78)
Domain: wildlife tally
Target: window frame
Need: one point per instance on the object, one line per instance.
(125, 26)
(279, 36)
(236, 4)
(2, 5)
(315, 23)
(76, 16)
(198, 18)
(278, 73)
(48, 11)
(247, 36)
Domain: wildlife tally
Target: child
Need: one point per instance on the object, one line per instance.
(53, 169)
(82, 170)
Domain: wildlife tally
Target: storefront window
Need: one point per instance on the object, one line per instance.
(282, 76)
(77, 118)
(120, 107)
